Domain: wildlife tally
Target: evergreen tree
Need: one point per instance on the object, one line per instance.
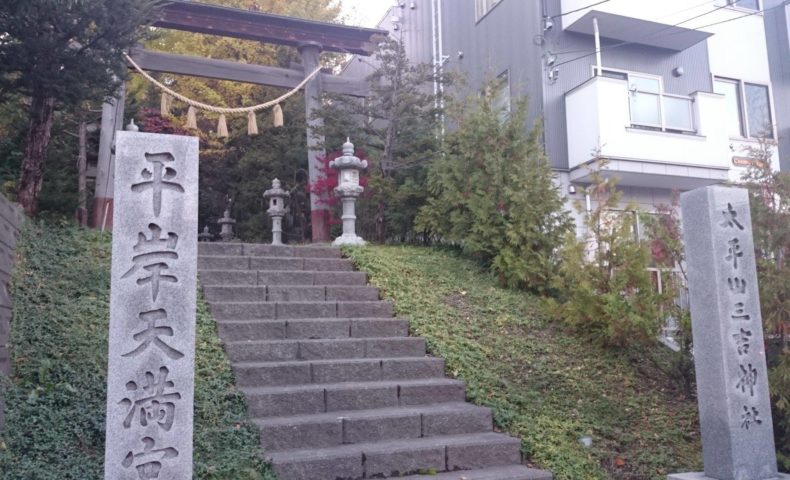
(397, 126)
(605, 289)
(60, 53)
(492, 194)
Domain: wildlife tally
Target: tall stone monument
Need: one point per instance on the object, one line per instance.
(152, 308)
(729, 352)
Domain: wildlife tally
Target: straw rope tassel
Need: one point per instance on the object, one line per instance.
(222, 127)
(277, 111)
(191, 118)
(164, 104)
(252, 124)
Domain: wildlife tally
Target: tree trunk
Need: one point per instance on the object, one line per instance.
(381, 231)
(82, 167)
(42, 113)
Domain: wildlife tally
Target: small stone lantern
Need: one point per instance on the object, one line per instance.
(276, 196)
(206, 236)
(348, 189)
(226, 225)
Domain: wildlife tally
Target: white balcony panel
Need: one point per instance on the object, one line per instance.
(637, 31)
(599, 122)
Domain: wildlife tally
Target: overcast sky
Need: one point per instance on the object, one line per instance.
(365, 13)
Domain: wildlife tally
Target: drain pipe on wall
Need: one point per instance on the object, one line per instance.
(598, 66)
(435, 58)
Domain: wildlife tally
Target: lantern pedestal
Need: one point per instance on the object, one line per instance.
(349, 236)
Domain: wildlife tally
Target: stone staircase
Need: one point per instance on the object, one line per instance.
(335, 384)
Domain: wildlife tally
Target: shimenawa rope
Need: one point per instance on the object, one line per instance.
(214, 109)
(221, 128)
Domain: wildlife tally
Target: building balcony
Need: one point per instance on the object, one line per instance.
(649, 139)
(642, 23)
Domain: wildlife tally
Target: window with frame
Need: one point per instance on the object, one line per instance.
(484, 6)
(500, 95)
(748, 107)
(652, 108)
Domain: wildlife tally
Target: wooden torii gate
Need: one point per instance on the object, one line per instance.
(309, 37)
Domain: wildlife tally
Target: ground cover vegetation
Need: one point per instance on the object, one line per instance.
(544, 385)
(56, 397)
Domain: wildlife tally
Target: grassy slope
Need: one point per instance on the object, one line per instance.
(545, 386)
(55, 423)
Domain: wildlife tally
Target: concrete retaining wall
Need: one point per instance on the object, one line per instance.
(11, 218)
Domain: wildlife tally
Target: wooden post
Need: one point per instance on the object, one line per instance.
(111, 121)
(319, 210)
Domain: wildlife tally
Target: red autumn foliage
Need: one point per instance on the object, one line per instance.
(154, 122)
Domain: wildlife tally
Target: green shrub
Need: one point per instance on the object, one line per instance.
(492, 194)
(607, 293)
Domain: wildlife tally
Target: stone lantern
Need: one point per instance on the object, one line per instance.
(348, 189)
(226, 225)
(206, 236)
(276, 196)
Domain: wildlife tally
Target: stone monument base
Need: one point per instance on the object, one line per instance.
(345, 239)
(701, 476)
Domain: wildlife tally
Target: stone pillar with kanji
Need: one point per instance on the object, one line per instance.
(729, 349)
(150, 377)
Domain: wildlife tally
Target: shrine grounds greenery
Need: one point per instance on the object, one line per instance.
(55, 403)
(545, 386)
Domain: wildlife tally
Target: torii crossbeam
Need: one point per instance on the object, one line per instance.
(308, 36)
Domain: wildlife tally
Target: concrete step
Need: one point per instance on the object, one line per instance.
(234, 262)
(238, 293)
(271, 293)
(263, 250)
(400, 457)
(324, 349)
(270, 374)
(287, 310)
(335, 397)
(365, 426)
(229, 277)
(336, 386)
(511, 472)
(314, 328)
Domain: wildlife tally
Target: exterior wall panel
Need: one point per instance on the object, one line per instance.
(777, 26)
(499, 41)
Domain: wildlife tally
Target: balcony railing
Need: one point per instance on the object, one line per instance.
(665, 112)
(651, 139)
